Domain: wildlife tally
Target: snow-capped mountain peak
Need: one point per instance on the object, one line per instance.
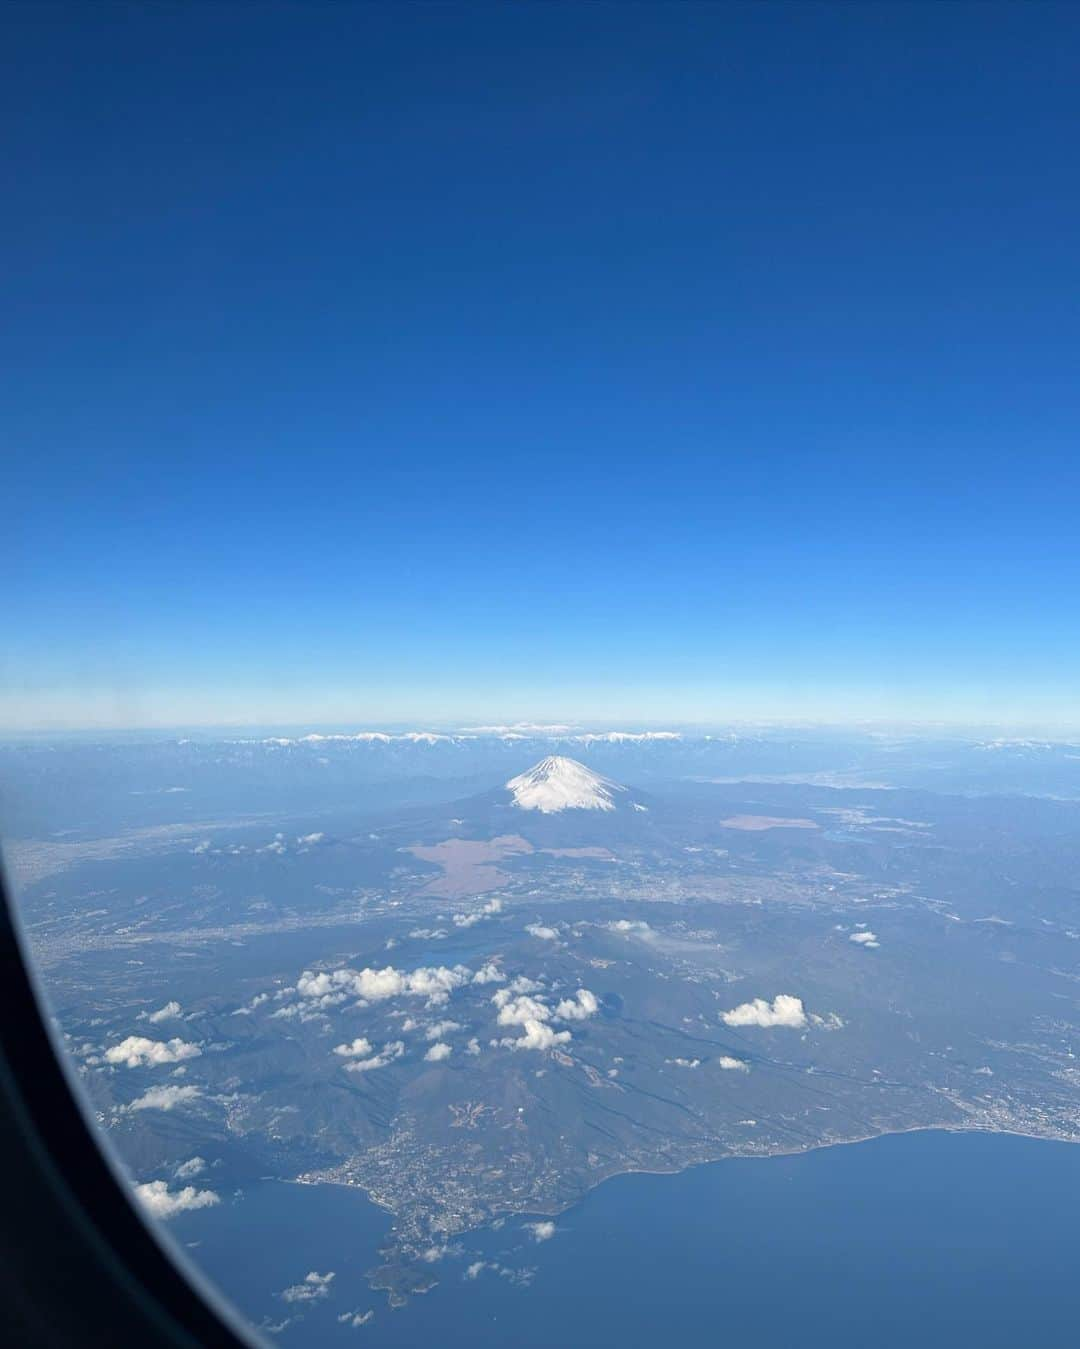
(557, 783)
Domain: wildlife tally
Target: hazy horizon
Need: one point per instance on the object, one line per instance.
(552, 727)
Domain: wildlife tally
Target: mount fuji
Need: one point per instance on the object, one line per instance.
(559, 802)
(557, 783)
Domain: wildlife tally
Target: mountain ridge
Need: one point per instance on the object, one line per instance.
(558, 783)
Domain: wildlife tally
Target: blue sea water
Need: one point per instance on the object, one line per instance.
(928, 1239)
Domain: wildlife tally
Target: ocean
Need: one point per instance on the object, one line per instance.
(929, 1239)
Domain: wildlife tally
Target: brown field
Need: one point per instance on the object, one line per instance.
(468, 865)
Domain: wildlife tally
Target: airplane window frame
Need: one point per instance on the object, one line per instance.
(80, 1264)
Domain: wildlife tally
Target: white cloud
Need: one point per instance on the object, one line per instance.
(523, 984)
(516, 1011)
(733, 1065)
(312, 1011)
(165, 1098)
(439, 1029)
(785, 1010)
(488, 974)
(579, 1008)
(137, 1052)
(473, 1047)
(531, 1015)
(307, 840)
(433, 1254)
(542, 1231)
(438, 1052)
(537, 1035)
(256, 1001)
(389, 1052)
(360, 1048)
(865, 939)
(435, 983)
(356, 1319)
(169, 1012)
(493, 906)
(629, 925)
(540, 931)
(315, 1286)
(475, 1269)
(188, 1170)
(685, 1063)
(157, 1199)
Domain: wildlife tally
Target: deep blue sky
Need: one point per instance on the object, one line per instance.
(675, 361)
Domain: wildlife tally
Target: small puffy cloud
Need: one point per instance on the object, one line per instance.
(308, 840)
(315, 1286)
(359, 1049)
(628, 925)
(438, 1052)
(310, 1012)
(389, 1052)
(493, 906)
(516, 1011)
(169, 1012)
(685, 1063)
(542, 1231)
(441, 1028)
(579, 1008)
(356, 1319)
(520, 1278)
(434, 983)
(158, 1199)
(165, 1098)
(256, 1001)
(473, 1047)
(536, 1035)
(733, 1065)
(866, 938)
(433, 1254)
(489, 974)
(188, 1170)
(784, 1010)
(519, 985)
(532, 1016)
(138, 1052)
(542, 932)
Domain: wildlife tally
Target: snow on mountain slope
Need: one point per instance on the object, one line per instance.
(557, 783)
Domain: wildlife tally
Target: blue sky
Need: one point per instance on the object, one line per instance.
(629, 361)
